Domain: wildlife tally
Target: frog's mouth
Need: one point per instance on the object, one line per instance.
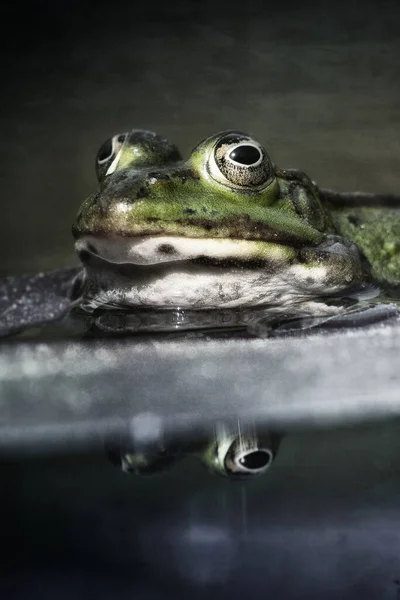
(169, 271)
(153, 250)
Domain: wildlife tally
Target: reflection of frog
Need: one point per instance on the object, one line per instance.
(224, 229)
(226, 453)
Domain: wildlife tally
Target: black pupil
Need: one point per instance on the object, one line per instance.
(245, 155)
(255, 460)
(105, 150)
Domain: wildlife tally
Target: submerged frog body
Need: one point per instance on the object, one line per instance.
(223, 229)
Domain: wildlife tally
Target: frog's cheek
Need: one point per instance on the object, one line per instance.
(340, 261)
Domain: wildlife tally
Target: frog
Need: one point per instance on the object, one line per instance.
(223, 238)
(238, 454)
(228, 230)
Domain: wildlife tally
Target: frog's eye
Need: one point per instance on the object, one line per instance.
(241, 161)
(247, 462)
(238, 457)
(105, 152)
(110, 148)
(108, 155)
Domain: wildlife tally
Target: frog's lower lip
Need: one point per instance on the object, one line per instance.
(150, 250)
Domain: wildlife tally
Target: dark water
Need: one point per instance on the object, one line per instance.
(309, 528)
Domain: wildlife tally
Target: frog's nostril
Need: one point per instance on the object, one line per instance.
(256, 460)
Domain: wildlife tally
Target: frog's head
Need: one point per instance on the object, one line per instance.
(226, 205)
(234, 456)
(135, 149)
(227, 189)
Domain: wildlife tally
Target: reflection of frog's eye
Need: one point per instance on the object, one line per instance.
(241, 161)
(107, 156)
(254, 461)
(248, 462)
(239, 457)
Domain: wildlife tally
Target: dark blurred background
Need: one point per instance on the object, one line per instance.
(316, 82)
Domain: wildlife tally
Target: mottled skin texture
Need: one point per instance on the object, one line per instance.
(229, 190)
(376, 231)
(183, 199)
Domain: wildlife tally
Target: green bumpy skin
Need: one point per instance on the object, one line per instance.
(183, 198)
(271, 235)
(376, 232)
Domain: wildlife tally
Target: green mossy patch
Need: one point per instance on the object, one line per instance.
(376, 231)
